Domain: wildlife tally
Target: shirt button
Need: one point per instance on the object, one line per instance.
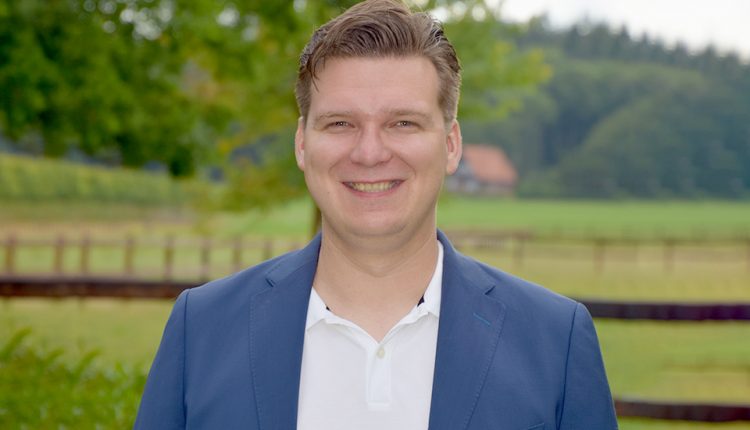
(381, 352)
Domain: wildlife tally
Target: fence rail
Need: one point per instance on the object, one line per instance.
(163, 253)
(519, 246)
(132, 288)
(682, 411)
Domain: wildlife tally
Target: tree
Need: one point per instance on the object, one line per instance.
(187, 83)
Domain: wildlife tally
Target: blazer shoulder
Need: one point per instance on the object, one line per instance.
(252, 280)
(518, 293)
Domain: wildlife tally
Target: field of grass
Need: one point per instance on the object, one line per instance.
(638, 218)
(657, 360)
(674, 360)
(293, 219)
(689, 361)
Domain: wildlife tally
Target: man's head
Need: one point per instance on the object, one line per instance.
(381, 28)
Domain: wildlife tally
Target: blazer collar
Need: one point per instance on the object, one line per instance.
(277, 332)
(468, 334)
(469, 330)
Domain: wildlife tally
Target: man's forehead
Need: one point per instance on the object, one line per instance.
(389, 85)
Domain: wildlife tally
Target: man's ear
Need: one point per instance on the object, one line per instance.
(454, 145)
(299, 143)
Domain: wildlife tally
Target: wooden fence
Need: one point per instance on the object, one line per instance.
(56, 276)
(162, 252)
(601, 249)
(220, 257)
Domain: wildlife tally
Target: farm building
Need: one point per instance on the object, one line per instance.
(484, 170)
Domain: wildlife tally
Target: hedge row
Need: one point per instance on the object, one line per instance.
(38, 390)
(27, 179)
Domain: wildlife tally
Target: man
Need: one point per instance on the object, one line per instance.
(378, 323)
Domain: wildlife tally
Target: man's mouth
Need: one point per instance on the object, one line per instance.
(372, 187)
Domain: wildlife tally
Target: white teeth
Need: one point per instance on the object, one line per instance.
(372, 187)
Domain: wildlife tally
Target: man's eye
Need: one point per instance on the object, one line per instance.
(404, 123)
(339, 124)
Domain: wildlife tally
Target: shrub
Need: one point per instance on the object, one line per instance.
(27, 179)
(39, 390)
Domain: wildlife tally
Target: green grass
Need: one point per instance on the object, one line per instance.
(707, 361)
(719, 274)
(85, 389)
(615, 217)
(292, 219)
(122, 331)
(657, 360)
(663, 360)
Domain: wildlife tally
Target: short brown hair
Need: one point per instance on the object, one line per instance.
(381, 28)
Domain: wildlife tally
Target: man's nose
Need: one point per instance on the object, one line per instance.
(371, 148)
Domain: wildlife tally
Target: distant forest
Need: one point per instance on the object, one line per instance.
(628, 117)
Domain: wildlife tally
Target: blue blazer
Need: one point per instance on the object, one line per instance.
(510, 355)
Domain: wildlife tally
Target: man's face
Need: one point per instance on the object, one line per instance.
(375, 147)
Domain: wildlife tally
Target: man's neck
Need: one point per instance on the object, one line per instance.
(375, 286)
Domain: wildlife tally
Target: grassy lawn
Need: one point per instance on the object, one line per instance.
(121, 331)
(292, 219)
(658, 360)
(631, 217)
(662, 360)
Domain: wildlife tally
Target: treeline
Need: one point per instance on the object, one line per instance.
(628, 117)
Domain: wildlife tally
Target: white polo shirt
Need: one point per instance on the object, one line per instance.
(350, 381)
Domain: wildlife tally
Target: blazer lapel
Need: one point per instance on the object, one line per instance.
(469, 330)
(277, 331)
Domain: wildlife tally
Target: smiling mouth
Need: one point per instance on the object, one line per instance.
(372, 187)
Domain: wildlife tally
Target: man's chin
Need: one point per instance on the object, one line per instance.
(369, 229)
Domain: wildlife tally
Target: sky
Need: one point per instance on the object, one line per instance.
(725, 23)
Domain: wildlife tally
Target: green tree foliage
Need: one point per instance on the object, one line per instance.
(626, 117)
(186, 83)
(146, 80)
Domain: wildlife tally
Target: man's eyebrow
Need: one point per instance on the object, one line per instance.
(331, 114)
(410, 113)
(393, 113)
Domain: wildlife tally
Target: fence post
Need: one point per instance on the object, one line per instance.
(747, 245)
(205, 258)
(128, 255)
(85, 248)
(168, 257)
(669, 245)
(267, 249)
(518, 249)
(237, 254)
(59, 255)
(10, 254)
(600, 250)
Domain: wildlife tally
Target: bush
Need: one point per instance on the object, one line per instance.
(26, 179)
(39, 390)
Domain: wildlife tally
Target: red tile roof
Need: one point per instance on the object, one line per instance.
(490, 164)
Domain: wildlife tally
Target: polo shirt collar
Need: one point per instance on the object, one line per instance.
(429, 303)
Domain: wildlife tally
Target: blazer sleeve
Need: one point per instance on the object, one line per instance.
(587, 400)
(162, 405)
